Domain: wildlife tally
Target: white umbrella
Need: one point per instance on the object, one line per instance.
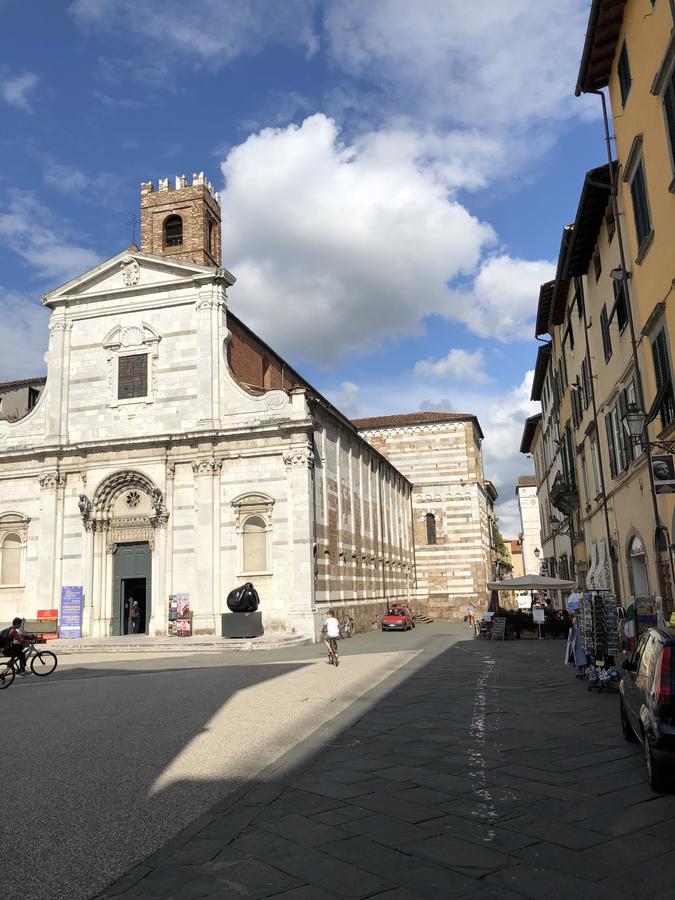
(532, 583)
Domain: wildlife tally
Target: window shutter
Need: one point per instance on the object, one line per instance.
(627, 442)
(132, 376)
(606, 339)
(610, 445)
(638, 190)
(669, 106)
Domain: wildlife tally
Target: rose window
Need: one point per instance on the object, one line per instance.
(133, 499)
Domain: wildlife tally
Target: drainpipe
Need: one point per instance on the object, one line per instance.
(579, 286)
(614, 176)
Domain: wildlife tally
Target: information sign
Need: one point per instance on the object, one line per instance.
(70, 625)
(538, 616)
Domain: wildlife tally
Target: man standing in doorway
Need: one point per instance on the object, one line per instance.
(134, 616)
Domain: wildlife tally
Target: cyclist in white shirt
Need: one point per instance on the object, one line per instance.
(331, 632)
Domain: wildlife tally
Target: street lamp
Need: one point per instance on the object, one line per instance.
(537, 552)
(634, 420)
(619, 274)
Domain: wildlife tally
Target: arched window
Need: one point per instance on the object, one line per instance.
(173, 231)
(254, 545)
(11, 558)
(637, 567)
(430, 522)
(212, 238)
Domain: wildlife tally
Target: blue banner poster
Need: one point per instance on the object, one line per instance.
(70, 620)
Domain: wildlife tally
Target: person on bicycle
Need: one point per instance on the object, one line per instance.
(331, 632)
(13, 645)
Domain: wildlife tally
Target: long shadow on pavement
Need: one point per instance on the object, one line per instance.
(486, 771)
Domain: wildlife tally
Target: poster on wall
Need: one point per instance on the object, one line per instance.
(70, 623)
(663, 471)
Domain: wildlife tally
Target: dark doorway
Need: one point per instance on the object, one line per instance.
(133, 591)
(131, 581)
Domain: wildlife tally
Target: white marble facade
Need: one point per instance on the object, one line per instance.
(216, 480)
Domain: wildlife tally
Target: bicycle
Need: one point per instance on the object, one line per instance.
(42, 662)
(333, 656)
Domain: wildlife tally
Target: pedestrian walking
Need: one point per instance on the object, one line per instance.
(134, 616)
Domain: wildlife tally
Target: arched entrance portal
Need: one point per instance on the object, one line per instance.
(124, 519)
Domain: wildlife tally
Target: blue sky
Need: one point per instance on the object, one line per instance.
(394, 178)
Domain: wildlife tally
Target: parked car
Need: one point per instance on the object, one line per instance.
(647, 703)
(398, 618)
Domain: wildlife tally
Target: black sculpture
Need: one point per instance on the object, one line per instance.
(243, 599)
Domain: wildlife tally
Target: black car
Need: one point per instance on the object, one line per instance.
(648, 702)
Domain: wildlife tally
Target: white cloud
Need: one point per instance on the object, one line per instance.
(502, 301)
(213, 31)
(42, 239)
(23, 336)
(16, 90)
(442, 405)
(458, 364)
(364, 236)
(346, 399)
(493, 64)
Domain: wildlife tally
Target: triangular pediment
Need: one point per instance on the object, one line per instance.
(130, 272)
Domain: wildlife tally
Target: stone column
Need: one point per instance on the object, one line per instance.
(49, 554)
(203, 609)
(88, 613)
(209, 309)
(299, 462)
(58, 362)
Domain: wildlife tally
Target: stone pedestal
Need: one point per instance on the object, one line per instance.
(242, 625)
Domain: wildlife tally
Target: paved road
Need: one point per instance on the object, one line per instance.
(477, 771)
(115, 755)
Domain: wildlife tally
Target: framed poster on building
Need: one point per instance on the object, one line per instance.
(645, 608)
(663, 471)
(70, 620)
(180, 615)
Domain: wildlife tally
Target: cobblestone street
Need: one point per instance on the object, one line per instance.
(484, 770)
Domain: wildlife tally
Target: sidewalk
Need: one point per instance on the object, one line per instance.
(485, 771)
(142, 643)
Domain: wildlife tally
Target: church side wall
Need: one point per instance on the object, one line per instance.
(444, 463)
(363, 557)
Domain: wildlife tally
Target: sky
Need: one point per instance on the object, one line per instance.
(394, 179)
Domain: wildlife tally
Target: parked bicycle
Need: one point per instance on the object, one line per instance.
(42, 662)
(348, 627)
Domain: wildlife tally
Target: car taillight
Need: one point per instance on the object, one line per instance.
(663, 673)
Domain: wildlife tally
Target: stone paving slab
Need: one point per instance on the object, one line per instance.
(480, 772)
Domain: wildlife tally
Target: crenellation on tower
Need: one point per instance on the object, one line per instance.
(181, 220)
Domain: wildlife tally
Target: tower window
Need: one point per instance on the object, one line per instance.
(430, 522)
(173, 231)
(212, 238)
(132, 376)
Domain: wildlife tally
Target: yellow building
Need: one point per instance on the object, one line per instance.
(630, 49)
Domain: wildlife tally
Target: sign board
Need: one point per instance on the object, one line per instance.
(664, 474)
(499, 628)
(538, 616)
(72, 601)
(645, 608)
(180, 616)
(524, 601)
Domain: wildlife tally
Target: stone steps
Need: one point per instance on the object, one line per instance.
(145, 644)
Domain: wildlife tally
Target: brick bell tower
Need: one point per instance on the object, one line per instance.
(181, 220)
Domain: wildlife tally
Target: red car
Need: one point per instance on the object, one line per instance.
(398, 618)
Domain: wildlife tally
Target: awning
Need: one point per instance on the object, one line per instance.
(532, 583)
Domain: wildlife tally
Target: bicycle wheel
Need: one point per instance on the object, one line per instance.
(7, 675)
(43, 663)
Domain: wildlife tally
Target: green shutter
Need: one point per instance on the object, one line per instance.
(610, 445)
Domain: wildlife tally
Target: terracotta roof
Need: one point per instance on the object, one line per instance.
(22, 382)
(561, 282)
(516, 546)
(418, 418)
(540, 367)
(528, 432)
(602, 35)
(544, 308)
(595, 196)
(527, 481)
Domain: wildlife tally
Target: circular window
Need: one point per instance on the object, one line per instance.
(133, 499)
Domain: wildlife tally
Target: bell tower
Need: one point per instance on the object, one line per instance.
(181, 220)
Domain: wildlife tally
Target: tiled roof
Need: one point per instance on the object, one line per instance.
(602, 36)
(527, 481)
(418, 418)
(22, 382)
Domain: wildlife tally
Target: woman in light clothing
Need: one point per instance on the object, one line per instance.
(574, 652)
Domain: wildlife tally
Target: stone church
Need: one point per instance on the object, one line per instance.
(171, 451)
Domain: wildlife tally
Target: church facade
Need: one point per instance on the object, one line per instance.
(171, 451)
